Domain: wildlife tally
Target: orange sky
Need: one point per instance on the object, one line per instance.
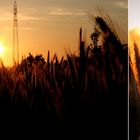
(54, 24)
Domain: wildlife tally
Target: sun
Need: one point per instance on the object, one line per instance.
(1, 49)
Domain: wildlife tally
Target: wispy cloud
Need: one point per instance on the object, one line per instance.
(7, 16)
(26, 17)
(122, 4)
(66, 12)
(20, 28)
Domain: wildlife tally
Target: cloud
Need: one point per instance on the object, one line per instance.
(26, 17)
(122, 4)
(66, 12)
(7, 16)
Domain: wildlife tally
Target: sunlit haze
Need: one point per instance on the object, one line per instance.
(54, 24)
(134, 9)
(1, 49)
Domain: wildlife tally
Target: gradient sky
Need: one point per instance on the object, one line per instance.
(54, 24)
(134, 10)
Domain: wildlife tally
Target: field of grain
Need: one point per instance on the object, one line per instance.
(89, 90)
(134, 83)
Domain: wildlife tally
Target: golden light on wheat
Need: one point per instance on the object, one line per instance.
(134, 53)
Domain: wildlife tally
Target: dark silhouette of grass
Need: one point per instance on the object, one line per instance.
(134, 87)
(88, 91)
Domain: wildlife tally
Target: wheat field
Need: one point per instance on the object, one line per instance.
(88, 89)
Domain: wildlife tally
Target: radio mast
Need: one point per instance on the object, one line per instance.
(15, 36)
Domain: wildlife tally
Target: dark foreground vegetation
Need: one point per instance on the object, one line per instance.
(88, 91)
(134, 85)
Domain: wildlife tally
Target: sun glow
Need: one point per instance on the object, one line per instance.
(1, 49)
(136, 30)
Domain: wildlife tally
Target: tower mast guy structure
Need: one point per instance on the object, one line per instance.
(15, 36)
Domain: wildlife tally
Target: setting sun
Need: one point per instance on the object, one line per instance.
(1, 48)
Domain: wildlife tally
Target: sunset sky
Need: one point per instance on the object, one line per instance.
(54, 24)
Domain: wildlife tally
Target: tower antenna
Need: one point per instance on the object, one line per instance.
(15, 36)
